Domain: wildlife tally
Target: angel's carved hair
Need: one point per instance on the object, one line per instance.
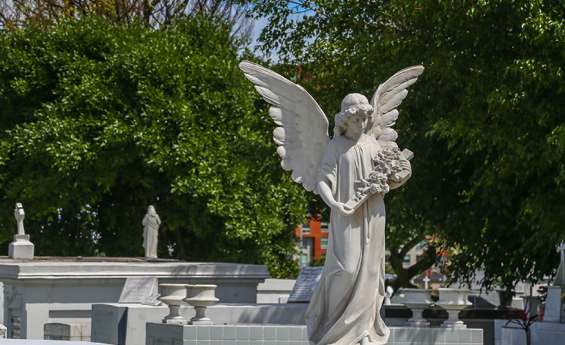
(352, 104)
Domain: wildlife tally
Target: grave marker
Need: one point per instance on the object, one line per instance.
(103, 324)
(141, 290)
(305, 284)
(426, 281)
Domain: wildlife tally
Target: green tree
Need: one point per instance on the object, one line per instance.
(485, 120)
(99, 121)
(158, 13)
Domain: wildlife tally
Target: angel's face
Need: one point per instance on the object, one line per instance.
(357, 123)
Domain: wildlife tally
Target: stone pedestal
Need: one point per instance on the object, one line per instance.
(417, 300)
(21, 248)
(70, 332)
(160, 333)
(124, 324)
(533, 303)
(274, 290)
(553, 304)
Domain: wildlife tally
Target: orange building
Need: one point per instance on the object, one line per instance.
(313, 241)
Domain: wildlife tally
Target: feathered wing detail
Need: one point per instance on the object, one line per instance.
(388, 96)
(303, 135)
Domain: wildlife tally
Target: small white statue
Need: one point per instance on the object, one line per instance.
(388, 295)
(21, 248)
(20, 215)
(351, 171)
(151, 223)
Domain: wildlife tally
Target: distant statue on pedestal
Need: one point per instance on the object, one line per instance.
(151, 224)
(21, 248)
(20, 215)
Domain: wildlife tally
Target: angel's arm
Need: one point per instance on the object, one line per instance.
(326, 194)
(327, 182)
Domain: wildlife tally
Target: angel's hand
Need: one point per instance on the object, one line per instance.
(404, 164)
(343, 209)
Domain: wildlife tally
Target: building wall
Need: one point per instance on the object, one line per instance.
(313, 239)
(313, 236)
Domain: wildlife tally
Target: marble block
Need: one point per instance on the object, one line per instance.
(21, 248)
(63, 331)
(124, 324)
(258, 334)
(553, 304)
(275, 290)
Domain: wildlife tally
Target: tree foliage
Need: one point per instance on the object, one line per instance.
(15, 13)
(485, 120)
(99, 121)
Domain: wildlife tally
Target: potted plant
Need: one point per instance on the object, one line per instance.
(534, 302)
(505, 294)
(521, 319)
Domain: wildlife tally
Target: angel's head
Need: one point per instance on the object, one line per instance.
(352, 104)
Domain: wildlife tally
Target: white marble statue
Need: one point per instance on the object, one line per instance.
(21, 248)
(20, 215)
(388, 295)
(351, 171)
(151, 223)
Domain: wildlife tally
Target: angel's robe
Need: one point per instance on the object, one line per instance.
(346, 302)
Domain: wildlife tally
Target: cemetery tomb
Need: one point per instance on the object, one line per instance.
(62, 290)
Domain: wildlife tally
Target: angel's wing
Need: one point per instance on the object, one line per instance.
(388, 96)
(303, 135)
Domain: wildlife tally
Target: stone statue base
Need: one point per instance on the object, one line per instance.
(21, 248)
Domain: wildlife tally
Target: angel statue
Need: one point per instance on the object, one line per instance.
(351, 171)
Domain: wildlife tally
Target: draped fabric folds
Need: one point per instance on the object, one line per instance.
(346, 302)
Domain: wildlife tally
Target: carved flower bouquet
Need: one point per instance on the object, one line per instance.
(386, 168)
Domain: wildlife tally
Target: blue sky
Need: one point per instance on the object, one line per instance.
(259, 25)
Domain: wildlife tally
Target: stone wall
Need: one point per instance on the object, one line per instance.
(294, 335)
